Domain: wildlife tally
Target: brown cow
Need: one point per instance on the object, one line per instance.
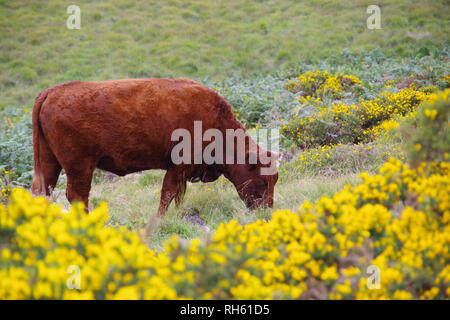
(125, 126)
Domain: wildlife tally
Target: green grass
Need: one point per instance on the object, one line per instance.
(196, 38)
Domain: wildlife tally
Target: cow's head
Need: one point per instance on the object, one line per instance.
(255, 183)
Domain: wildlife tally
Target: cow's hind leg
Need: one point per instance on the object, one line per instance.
(79, 178)
(46, 175)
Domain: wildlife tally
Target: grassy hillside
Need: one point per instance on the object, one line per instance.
(348, 102)
(196, 38)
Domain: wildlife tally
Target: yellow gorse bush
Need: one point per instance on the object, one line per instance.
(386, 105)
(40, 243)
(319, 83)
(353, 123)
(397, 220)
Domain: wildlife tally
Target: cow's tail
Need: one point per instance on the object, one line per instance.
(38, 184)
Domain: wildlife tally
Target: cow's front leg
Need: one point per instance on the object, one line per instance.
(174, 186)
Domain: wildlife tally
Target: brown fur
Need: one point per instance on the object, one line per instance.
(125, 126)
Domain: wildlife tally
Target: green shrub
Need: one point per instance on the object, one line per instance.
(350, 123)
(259, 101)
(427, 134)
(16, 147)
